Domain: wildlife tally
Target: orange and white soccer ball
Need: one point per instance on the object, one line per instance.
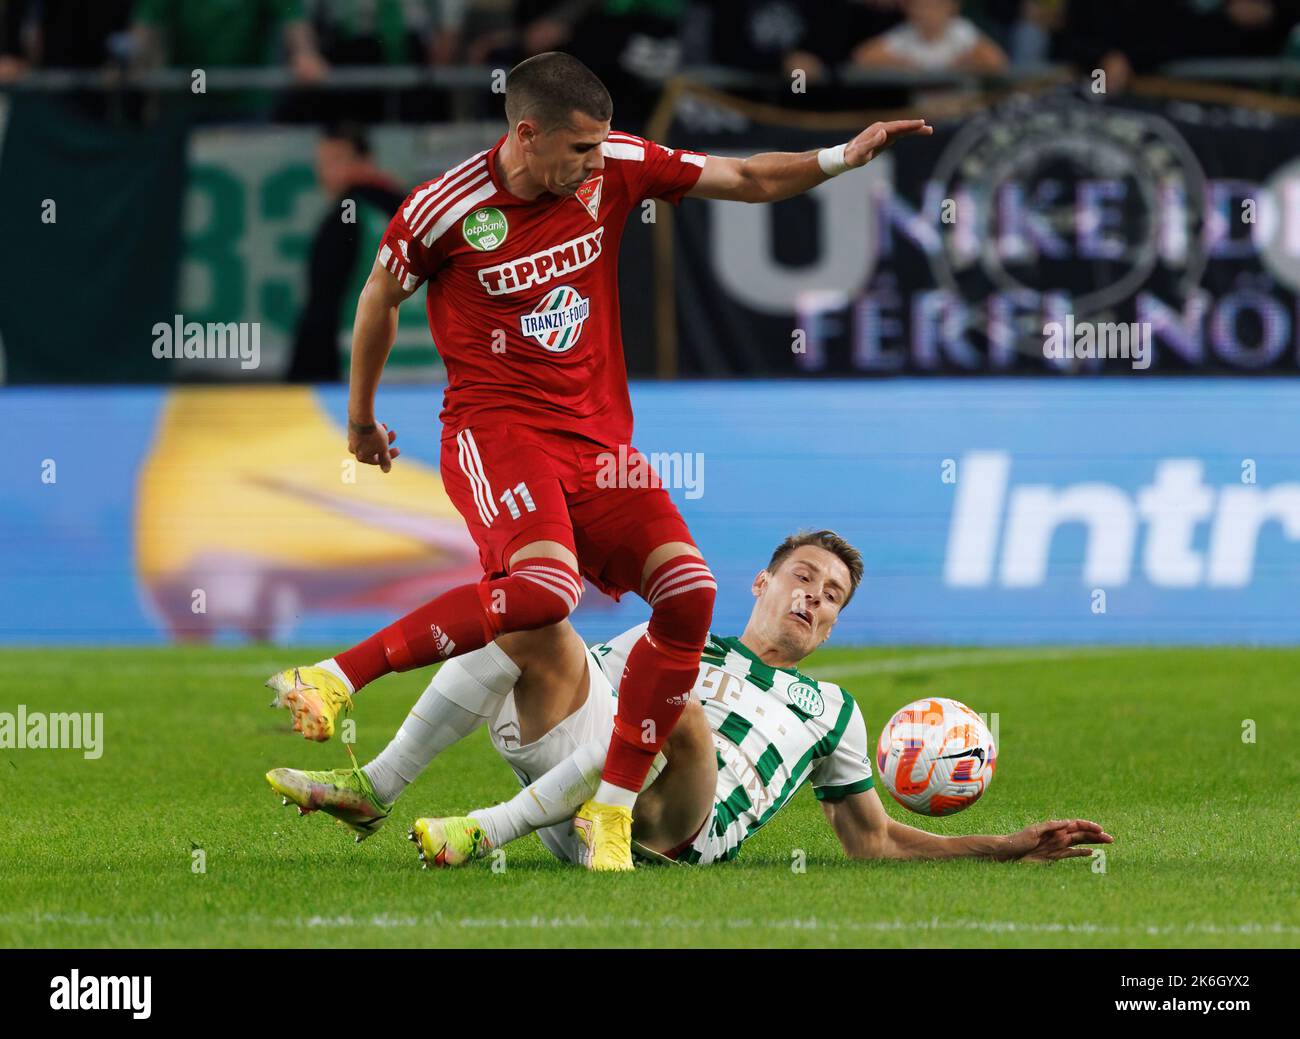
(936, 756)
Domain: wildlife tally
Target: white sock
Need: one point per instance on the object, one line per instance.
(552, 798)
(333, 668)
(464, 694)
(609, 794)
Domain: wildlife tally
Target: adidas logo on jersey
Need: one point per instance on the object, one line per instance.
(540, 267)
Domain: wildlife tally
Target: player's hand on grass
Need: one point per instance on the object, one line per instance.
(372, 443)
(879, 136)
(1056, 839)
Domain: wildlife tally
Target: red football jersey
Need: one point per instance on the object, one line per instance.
(523, 296)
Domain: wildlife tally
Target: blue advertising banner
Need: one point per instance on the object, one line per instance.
(998, 511)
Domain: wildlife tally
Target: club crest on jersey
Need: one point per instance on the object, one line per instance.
(806, 698)
(485, 229)
(589, 194)
(557, 320)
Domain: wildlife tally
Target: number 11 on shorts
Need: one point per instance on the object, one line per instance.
(508, 500)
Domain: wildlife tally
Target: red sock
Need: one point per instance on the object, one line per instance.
(651, 697)
(453, 623)
(536, 593)
(661, 669)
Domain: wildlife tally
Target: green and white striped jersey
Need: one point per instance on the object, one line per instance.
(774, 729)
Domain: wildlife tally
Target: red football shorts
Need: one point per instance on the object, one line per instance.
(516, 484)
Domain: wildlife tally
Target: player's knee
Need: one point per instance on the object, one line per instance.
(539, 593)
(532, 647)
(681, 594)
(691, 735)
(555, 609)
(536, 551)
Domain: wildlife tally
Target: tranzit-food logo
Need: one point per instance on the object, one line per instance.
(556, 322)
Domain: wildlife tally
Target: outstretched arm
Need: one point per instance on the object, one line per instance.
(866, 831)
(772, 176)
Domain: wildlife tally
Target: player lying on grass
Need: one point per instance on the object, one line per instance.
(755, 732)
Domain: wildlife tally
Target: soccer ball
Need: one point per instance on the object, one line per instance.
(936, 756)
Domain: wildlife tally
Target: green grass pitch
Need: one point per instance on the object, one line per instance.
(1147, 742)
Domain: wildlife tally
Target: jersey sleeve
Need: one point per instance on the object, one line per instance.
(402, 251)
(613, 654)
(653, 170)
(847, 769)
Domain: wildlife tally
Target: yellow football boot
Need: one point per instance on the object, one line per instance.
(344, 793)
(606, 835)
(452, 841)
(313, 696)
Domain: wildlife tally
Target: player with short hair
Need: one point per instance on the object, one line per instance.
(518, 246)
(757, 730)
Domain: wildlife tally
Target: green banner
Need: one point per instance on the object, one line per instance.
(90, 216)
(110, 230)
(251, 207)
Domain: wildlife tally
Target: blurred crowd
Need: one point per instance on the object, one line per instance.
(647, 39)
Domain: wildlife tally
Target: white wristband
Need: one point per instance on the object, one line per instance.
(831, 160)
